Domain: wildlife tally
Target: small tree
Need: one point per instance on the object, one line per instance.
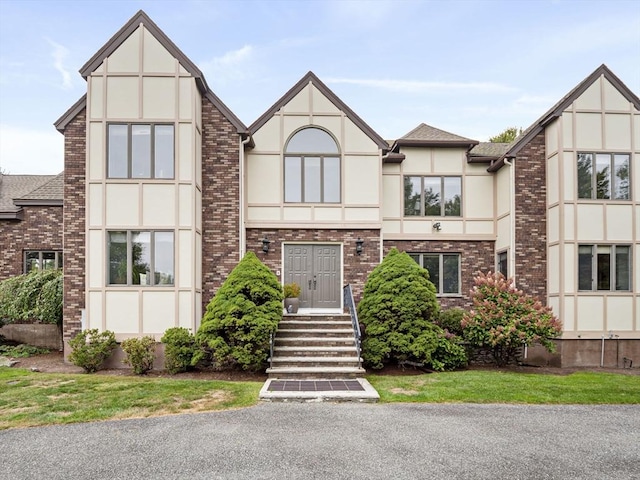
(506, 136)
(242, 316)
(504, 319)
(398, 309)
(179, 349)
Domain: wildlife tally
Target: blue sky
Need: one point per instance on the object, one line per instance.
(469, 67)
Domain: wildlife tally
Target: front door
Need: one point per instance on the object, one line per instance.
(316, 268)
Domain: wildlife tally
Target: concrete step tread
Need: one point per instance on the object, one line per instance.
(315, 330)
(316, 339)
(315, 359)
(327, 370)
(284, 349)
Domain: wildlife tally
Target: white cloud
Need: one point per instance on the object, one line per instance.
(412, 86)
(59, 54)
(29, 151)
(230, 66)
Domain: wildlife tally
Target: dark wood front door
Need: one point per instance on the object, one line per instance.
(316, 268)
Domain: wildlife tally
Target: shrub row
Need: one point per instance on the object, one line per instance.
(33, 296)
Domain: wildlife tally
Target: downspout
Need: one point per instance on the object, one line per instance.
(512, 220)
(241, 226)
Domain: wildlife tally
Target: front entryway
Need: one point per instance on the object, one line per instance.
(317, 269)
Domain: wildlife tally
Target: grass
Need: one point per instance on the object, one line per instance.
(474, 386)
(29, 399)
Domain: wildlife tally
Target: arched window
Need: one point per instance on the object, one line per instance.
(311, 168)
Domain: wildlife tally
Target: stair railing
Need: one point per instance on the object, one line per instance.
(350, 304)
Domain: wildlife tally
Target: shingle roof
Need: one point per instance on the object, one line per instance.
(489, 149)
(15, 186)
(426, 135)
(50, 192)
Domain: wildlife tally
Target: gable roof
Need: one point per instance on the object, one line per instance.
(141, 18)
(486, 152)
(310, 77)
(427, 136)
(15, 186)
(556, 111)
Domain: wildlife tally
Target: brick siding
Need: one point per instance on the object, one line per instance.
(531, 218)
(220, 199)
(356, 268)
(74, 224)
(39, 229)
(475, 256)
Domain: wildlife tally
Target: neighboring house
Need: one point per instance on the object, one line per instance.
(30, 223)
(165, 189)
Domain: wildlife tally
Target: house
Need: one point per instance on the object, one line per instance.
(165, 189)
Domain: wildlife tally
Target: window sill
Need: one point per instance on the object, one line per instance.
(449, 295)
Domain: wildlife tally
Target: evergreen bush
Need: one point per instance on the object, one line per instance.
(398, 311)
(179, 349)
(451, 320)
(140, 353)
(504, 319)
(240, 319)
(90, 348)
(33, 296)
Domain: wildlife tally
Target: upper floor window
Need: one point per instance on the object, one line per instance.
(311, 168)
(140, 258)
(604, 267)
(603, 176)
(42, 260)
(138, 150)
(444, 270)
(433, 196)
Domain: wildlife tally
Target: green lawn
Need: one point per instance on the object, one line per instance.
(29, 399)
(473, 386)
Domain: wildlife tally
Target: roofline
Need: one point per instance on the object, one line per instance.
(481, 158)
(116, 40)
(435, 143)
(556, 110)
(310, 77)
(70, 114)
(19, 202)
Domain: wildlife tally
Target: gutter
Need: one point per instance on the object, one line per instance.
(512, 219)
(241, 226)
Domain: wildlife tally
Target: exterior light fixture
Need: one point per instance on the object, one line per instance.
(359, 243)
(265, 245)
(437, 226)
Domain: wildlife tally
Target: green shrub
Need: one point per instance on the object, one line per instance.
(90, 348)
(504, 319)
(34, 296)
(291, 290)
(240, 319)
(397, 310)
(451, 319)
(449, 354)
(179, 349)
(21, 351)
(140, 353)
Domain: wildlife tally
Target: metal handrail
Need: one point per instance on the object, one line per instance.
(350, 304)
(271, 342)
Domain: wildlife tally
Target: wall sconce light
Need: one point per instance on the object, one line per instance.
(265, 245)
(437, 226)
(359, 243)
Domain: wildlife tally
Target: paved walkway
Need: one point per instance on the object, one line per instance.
(339, 441)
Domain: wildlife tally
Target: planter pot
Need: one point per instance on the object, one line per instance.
(291, 305)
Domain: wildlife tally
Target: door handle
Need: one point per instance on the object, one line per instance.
(309, 284)
(314, 282)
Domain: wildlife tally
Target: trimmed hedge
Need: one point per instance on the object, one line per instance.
(398, 311)
(240, 319)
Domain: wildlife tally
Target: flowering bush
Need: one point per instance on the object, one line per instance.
(504, 319)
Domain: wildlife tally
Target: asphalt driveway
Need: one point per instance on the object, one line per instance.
(339, 441)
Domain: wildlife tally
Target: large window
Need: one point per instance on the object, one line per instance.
(140, 258)
(444, 270)
(312, 168)
(604, 267)
(140, 151)
(42, 260)
(433, 196)
(603, 176)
